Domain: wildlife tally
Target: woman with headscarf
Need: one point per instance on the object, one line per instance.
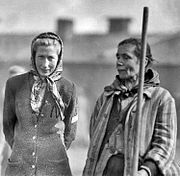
(40, 113)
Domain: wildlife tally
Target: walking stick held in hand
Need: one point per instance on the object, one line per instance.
(140, 90)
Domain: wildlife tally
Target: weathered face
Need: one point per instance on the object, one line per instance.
(127, 63)
(46, 59)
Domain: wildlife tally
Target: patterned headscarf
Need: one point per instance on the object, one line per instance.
(40, 84)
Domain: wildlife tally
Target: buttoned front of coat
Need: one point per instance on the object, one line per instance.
(37, 147)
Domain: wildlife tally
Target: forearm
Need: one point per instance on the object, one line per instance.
(9, 116)
(71, 135)
(8, 133)
(163, 143)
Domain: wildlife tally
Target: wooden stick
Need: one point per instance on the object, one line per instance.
(140, 90)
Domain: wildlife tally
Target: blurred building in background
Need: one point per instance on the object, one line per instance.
(89, 60)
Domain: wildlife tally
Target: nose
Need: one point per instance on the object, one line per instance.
(120, 61)
(45, 63)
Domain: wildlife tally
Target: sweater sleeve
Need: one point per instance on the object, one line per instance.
(9, 116)
(163, 144)
(71, 118)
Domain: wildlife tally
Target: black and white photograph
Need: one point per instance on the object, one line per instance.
(90, 88)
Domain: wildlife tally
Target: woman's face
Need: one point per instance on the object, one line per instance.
(46, 59)
(127, 63)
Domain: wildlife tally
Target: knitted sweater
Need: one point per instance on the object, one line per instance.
(37, 148)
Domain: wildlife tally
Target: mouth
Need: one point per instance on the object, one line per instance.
(45, 70)
(120, 68)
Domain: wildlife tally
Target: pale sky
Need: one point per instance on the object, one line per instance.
(89, 15)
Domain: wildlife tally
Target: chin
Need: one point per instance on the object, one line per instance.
(44, 74)
(125, 77)
(122, 76)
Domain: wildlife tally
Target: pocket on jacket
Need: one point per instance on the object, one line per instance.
(14, 168)
(58, 167)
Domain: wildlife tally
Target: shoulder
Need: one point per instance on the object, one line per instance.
(66, 86)
(101, 99)
(66, 82)
(166, 96)
(161, 94)
(17, 81)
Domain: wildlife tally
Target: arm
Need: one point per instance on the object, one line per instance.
(71, 118)
(9, 116)
(162, 151)
(94, 115)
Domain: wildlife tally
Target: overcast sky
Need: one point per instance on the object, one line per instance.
(89, 15)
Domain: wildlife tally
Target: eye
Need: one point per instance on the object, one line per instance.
(50, 58)
(40, 57)
(126, 57)
(117, 56)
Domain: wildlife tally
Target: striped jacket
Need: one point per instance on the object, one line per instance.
(158, 130)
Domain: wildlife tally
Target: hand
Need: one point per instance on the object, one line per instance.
(142, 172)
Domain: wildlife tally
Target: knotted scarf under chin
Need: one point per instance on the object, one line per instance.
(38, 91)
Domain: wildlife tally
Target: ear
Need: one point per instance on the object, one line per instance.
(146, 62)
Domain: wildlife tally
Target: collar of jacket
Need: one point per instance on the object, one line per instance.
(151, 80)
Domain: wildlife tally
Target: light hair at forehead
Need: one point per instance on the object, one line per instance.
(46, 42)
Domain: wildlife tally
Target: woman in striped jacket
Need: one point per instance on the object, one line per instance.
(112, 125)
